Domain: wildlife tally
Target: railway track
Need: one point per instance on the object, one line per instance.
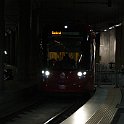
(46, 111)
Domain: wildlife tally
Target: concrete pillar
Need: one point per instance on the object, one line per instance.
(97, 39)
(122, 44)
(2, 38)
(28, 46)
(120, 54)
(44, 45)
(23, 45)
(12, 48)
(119, 48)
(35, 48)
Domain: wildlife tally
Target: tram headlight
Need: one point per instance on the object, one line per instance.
(80, 74)
(84, 73)
(45, 73)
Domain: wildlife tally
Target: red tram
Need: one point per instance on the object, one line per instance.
(69, 61)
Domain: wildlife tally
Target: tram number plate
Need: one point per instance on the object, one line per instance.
(62, 87)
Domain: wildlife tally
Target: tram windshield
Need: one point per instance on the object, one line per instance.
(68, 52)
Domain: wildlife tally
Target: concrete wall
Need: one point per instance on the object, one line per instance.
(107, 46)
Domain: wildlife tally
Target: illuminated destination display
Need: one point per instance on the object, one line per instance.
(57, 32)
(66, 33)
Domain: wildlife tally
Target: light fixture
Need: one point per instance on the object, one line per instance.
(65, 26)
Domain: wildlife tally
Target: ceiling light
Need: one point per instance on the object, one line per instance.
(65, 26)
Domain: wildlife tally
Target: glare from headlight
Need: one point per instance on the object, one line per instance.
(42, 71)
(79, 74)
(84, 73)
(47, 73)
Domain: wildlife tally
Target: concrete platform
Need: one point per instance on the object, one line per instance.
(100, 109)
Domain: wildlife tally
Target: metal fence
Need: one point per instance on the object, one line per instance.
(105, 75)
